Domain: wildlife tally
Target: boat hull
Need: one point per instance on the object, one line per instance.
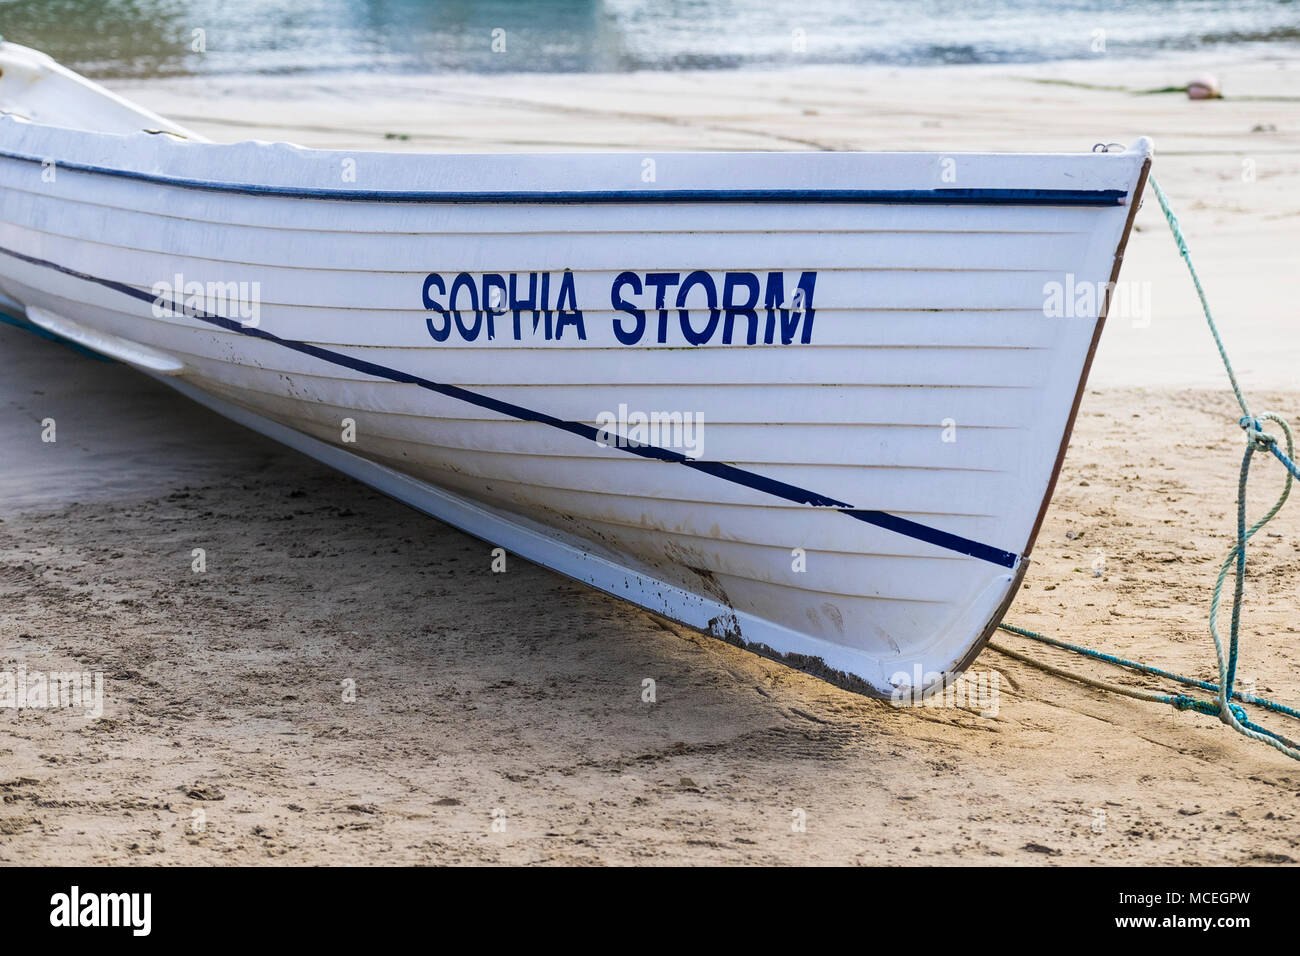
(811, 403)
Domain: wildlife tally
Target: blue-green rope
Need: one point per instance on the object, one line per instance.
(1225, 706)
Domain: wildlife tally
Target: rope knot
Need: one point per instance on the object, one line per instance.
(1255, 433)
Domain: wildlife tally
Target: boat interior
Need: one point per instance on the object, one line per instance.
(35, 88)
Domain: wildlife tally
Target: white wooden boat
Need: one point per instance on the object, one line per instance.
(885, 400)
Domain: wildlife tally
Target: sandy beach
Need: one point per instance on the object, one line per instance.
(483, 729)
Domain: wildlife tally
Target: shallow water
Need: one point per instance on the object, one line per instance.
(121, 38)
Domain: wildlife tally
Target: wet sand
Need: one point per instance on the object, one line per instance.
(517, 697)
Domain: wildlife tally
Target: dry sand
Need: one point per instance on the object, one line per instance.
(520, 694)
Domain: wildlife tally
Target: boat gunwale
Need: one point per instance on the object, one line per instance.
(931, 197)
